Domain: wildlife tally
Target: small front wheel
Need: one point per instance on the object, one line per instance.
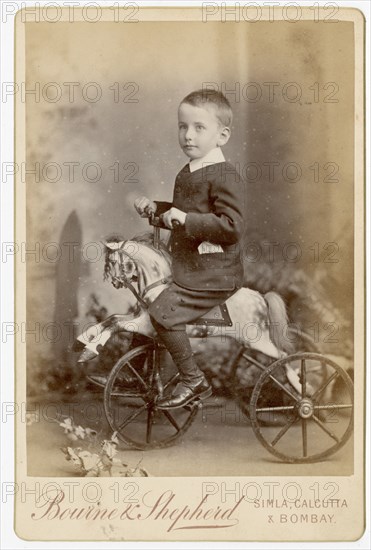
(133, 387)
(314, 421)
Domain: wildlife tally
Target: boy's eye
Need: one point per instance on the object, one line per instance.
(200, 127)
(182, 126)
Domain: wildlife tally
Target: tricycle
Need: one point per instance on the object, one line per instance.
(298, 389)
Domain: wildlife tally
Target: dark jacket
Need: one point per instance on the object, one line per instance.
(213, 198)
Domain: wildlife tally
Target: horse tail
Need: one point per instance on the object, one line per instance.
(278, 320)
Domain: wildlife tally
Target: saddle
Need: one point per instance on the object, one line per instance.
(218, 316)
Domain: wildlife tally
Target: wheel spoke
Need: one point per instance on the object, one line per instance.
(132, 417)
(128, 394)
(304, 436)
(329, 407)
(303, 376)
(253, 361)
(283, 431)
(171, 381)
(171, 419)
(136, 373)
(149, 424)
(276, 409)
(324, 386)
(329, 432)
(283, 388)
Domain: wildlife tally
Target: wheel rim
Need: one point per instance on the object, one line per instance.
(315, 422)
(130, 401)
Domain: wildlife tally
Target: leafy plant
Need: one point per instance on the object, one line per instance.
(95, 458)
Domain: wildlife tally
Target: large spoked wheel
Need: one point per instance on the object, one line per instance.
(133, 387)
(249, 365)
(314, 422)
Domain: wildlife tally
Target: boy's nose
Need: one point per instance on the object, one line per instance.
(188, 134)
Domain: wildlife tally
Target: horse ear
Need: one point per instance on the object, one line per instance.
(114, 246)
(112, 240)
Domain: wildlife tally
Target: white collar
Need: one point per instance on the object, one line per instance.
(212, 157)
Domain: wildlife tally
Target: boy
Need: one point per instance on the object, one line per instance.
(207, 204)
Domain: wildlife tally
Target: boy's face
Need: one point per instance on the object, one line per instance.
(200, 130)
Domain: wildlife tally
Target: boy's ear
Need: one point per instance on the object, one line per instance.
(224, 135)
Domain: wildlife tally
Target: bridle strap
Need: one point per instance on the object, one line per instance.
(146, 290)
(136, 294)
(132, 289)
(163, 281)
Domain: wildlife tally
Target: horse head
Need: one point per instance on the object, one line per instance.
(135, 260)
(120, 267)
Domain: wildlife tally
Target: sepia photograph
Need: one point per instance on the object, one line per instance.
(189, 252)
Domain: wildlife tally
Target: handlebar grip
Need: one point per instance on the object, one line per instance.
(158, 221)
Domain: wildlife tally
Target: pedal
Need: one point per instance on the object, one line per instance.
(195, 404)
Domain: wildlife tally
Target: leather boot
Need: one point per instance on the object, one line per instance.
(193, 383)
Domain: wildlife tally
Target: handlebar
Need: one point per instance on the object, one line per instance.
(157, 221)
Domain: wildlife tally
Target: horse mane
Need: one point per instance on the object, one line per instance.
(146, 238)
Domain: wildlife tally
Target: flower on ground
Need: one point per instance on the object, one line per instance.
(90, 461)
(90, 433)
(98, 463)
(67, 425)
(109, 448)
(73, 455)
(80, 432)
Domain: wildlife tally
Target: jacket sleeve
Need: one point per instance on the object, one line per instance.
(162, 207)
(224, 224)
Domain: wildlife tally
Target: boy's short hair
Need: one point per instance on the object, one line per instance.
(223, 109)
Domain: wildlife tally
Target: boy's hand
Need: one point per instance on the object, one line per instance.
(174, 214)
(145, 207)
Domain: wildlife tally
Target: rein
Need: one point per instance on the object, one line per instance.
(140, 299)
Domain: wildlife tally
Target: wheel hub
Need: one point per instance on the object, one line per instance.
(305, 408)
